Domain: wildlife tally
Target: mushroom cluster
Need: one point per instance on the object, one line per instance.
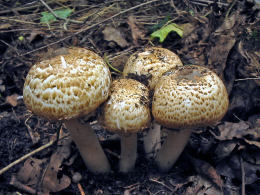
(67, 87)
(75, 84)
(148, 66)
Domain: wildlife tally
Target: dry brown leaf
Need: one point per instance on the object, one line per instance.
(205, 169)
(233, 130)
(201, 186)
(12, 99)
(136, 32)
(51, 182)
(252, 69)
(5, 26)
(112, 34)
(30, 172)
(225, 39)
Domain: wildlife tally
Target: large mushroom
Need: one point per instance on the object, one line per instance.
(67, 87)
(127, 112)
(149, 65)
(185, 98)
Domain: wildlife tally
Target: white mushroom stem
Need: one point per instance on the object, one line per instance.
(128, 152)
(172, 148)
(89, 146)
(152, 140)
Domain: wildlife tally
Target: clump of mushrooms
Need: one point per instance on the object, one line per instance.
(127, 112)
(67, 87)
(185, 98)
(149, 65)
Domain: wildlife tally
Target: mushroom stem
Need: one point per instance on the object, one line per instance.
(172, 148)
(128, 152)
(152, 140)
(89, 146)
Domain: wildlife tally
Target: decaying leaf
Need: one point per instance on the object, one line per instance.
(51, 181)
(201, 186)
(30, 172)
(233, 130)
(12, 99)
(231, 168)
(136, 32)
(112, 34)
(163, 32)
(205, 169)
(252, 69)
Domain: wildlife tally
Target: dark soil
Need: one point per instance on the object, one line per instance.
(225, 37)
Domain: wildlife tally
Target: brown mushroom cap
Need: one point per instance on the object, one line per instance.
(188, 97)
(127, 109)
(151, 63)
(67, 86)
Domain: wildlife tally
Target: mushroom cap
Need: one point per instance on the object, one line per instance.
(189, 97)
(67, 86)
(127, 109)
(151, 63)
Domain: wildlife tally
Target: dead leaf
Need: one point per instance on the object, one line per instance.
(30, 172)
(12, 99)
(136, 32)
(205, 169)
(201, 186)
(225, 39)
(51, 181)
(233, 130)
(252, 69)
(112, 34)
(5, 26)
(231, 168)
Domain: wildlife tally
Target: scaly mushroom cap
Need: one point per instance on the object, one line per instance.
(67, 86)
(151, 63)
(188, 97)
(127, 109)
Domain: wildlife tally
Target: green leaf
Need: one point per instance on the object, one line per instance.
(163, 32)
(48, 17)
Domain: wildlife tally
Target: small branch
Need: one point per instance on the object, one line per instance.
(91, 26)
(27, 156)
(243, 176)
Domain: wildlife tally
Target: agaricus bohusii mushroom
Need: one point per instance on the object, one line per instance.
(67, 87)
(185, 98)
(150, 64)
(127, 112)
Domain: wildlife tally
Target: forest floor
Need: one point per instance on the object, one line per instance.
(222, 35)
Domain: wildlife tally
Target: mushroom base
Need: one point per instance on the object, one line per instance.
(172, 148)
(152, 140)
(89, 146)
(128, 152)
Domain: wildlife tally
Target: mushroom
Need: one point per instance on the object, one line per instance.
(149, 65)
(185, 98)
(67, 87)
(127, 112)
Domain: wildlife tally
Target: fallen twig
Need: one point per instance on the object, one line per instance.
(89, 27)
(28, 155)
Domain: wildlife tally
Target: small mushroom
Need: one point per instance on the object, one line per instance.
(67, 87)
(148, 66)
(127, 112)
(185, 98)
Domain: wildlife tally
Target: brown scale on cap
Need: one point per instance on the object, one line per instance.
(189, 97)
(67, 86)
(127, 109)
(151, 64)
